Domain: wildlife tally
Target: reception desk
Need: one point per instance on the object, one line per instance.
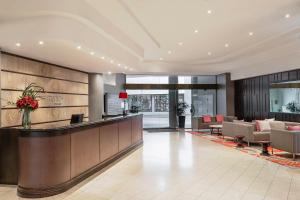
(52, 160)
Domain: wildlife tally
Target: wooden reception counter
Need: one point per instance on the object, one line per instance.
(52, 160)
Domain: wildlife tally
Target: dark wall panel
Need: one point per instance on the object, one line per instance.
(252, 97)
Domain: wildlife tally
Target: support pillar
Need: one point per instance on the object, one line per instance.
(173, 99)
(96, 97)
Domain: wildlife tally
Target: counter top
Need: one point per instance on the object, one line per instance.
(53, 130)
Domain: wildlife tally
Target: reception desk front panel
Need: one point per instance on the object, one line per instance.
(53, 160)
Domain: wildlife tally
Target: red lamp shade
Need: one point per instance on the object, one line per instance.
(123, 95)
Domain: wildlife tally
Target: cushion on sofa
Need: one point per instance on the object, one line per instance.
(262, 125)
(206, 118)
(293, 128)
(219, 118)
(229, 118)
(279, 125)
(270, 120)
(238, 121)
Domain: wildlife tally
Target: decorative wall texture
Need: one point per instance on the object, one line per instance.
(66, 90)
(252, 97)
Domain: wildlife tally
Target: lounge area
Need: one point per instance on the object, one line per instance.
(150, 100)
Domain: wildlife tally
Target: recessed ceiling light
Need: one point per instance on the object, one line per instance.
(109, 73)
(251, 33)
(287, 15)
(112, 61)
(180, 43)
(125, 67)
(78, 47)
(92, 53)
(18, 44)
(226, 45)
(169, 52)
(41, 42)
(209, 53)
(103, 58)
(209, 11)
(196, 31)
(161, 59)
(119, 65)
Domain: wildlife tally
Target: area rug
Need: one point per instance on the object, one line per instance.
(279, 157)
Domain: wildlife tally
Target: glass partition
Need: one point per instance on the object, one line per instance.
(286, 100)
(153, 104)
(158, 105)
(285, 97)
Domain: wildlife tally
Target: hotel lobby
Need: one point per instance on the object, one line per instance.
(150, 100)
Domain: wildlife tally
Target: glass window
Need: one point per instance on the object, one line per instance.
(286, 100)
(155, 105)
(141, 102)
(161, 103)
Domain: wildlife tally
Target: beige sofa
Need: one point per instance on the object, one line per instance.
(285, 140)
(247, 129)
(197, 122)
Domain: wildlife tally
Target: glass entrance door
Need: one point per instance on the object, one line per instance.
(153, 104)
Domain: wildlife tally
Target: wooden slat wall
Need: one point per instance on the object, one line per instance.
(252, 97)
(66, 90)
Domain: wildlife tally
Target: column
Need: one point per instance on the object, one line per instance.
(96, 97)
(173, 99)
(225, 95)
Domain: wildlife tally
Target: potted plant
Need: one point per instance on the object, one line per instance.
(181, 108)
(28, 102)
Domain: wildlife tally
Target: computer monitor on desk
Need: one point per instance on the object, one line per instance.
(76, 118)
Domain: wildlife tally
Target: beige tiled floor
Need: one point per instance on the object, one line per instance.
(180, 166)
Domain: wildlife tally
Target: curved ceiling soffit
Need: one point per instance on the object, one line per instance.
(79, 19)
(139, 23)
(257, 48)
(261, 46)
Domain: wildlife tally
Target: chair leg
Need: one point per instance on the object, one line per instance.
(272, 150)
(248, 144)
(294, 156)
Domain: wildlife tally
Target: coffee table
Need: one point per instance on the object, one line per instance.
(264, 147)
(217, 127)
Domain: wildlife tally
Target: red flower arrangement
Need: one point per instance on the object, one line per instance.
(28, 102)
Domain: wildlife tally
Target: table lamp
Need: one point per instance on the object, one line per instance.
(123, 95)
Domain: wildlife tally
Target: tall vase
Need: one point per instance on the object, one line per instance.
(26, 119)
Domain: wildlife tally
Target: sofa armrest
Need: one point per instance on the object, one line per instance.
(286, 140)
(233, 129)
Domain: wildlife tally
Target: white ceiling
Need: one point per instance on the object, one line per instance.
(139, 34)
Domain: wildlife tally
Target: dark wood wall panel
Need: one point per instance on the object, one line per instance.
(125, 137)
(51, 154)
(252, 96)
(9, 157)
(53, 160)
(109, 141)
(137, 133)
(85, 151)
